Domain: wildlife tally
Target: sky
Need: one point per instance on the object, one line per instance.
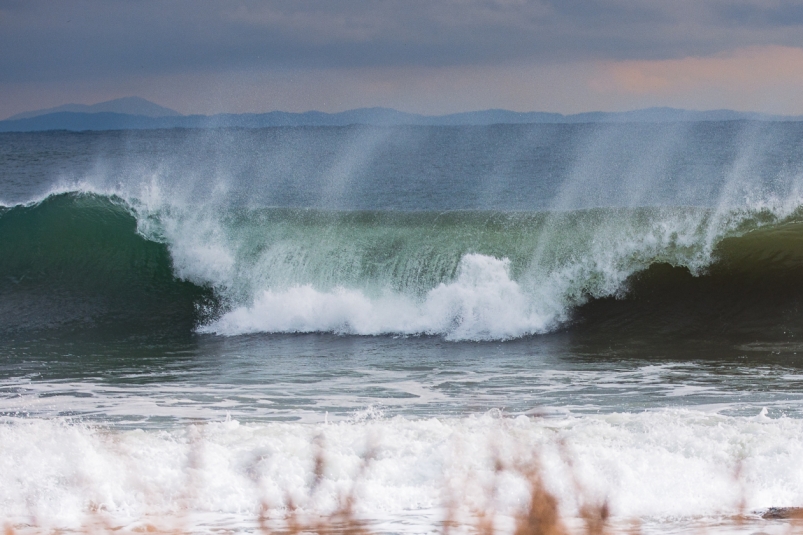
(422, 56)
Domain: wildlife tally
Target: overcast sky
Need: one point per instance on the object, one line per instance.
(425, 56)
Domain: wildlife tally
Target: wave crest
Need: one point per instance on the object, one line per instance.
(85, 259)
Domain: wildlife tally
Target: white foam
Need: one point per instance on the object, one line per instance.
(661, 467)
(482, 303)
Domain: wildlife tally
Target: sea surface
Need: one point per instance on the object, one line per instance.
(200, 329)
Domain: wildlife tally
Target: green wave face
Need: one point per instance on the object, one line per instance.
(76, 262)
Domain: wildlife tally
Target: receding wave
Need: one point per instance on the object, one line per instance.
(77, 260)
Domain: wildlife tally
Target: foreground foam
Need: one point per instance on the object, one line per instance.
(661, 467)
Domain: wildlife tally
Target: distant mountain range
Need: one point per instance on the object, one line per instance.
(137, 113)
(126, 105)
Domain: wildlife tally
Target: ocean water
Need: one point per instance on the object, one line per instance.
(199, 328)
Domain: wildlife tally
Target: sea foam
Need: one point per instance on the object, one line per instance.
(481, 303)
(664, 467)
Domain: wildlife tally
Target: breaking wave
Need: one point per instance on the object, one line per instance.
(78, 259)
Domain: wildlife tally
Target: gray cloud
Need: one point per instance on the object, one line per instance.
(42, 41)
(429, 56)
(761, 14)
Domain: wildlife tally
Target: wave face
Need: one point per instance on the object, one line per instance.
(79, 259)
(74, 261)
(752, 290)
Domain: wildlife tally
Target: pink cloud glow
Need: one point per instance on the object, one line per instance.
(768, 78)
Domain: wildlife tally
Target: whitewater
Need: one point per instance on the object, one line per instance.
(199, 329)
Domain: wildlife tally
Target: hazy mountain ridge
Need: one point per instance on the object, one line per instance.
(69, 119)
(125, 105)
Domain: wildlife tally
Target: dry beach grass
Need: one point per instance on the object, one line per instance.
(540, 514)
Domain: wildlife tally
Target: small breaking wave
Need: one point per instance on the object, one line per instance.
(226, 473)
